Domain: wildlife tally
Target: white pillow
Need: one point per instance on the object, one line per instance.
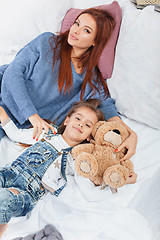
(23, 20)
(92, 3)
(135, 82)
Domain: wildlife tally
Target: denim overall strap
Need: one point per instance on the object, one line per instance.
(32, 164)
(66, 151)
(37, 158)
(50, 134)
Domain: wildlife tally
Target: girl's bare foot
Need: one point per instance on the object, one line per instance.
(3, 115)
(3, 228)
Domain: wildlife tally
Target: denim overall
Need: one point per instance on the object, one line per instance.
(25, 175)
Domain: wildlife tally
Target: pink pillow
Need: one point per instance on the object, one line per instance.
(106, 60)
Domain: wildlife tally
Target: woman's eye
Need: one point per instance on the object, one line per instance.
(86, 30)
(78, 118)
(76, 23)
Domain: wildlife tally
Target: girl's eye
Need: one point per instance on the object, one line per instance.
(78, 118)
(88, 125)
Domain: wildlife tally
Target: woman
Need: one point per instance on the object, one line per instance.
(52, 72)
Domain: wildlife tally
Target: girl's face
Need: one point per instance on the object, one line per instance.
(83, 32)
(79, 126)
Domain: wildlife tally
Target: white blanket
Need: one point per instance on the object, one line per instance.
(82, 211)
(85, 212)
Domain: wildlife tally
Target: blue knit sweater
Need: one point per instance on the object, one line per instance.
(29, 86)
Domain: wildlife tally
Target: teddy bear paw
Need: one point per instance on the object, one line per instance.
(116, 176)
(86, 165)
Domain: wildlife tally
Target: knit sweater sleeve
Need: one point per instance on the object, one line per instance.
(107, 105)
(16, 77)
(108, 108)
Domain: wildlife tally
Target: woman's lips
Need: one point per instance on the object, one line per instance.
(72, 37)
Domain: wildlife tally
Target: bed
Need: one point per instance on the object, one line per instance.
(83, 211)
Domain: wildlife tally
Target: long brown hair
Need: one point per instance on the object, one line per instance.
(89, 59)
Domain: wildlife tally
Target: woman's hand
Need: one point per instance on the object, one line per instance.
(39, 124)
(130, 143)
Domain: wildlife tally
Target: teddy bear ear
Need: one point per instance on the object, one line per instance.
(96, 127)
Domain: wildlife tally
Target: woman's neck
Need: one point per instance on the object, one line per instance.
(75, 55)
(76, 65)
(77, 52)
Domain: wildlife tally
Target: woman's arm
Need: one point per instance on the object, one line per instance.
(130, 143)
(14, 87)
(110, 112)
(17, 82)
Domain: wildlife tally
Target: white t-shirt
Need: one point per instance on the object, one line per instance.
(52, 178)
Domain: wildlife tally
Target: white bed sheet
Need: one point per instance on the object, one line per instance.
(82, 211)
(85, 212)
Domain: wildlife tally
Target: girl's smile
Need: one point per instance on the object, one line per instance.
(77, 129)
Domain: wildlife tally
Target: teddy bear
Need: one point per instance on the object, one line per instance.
(98, 160)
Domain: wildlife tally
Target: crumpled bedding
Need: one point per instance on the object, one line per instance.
(85, 212)
(49, 232)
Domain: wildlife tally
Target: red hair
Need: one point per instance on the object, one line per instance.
(89, 59)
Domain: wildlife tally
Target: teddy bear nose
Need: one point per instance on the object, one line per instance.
(116, 131)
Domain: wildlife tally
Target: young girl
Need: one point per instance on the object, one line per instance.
(53, 71)
(45, 165)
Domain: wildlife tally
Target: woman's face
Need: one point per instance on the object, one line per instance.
(83, 32)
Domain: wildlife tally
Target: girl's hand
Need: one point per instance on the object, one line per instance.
(130, 144)
(39, 124)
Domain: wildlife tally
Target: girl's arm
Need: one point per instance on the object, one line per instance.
(14, 133)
